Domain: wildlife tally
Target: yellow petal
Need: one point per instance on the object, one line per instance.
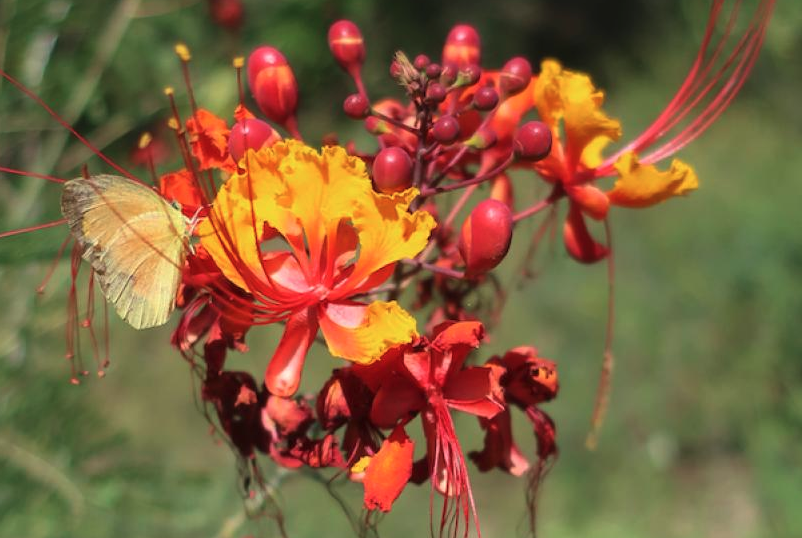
(387, 231)
(569, 96)
(362, 333)
(643, 185)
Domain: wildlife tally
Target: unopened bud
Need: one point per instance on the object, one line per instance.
(435, 93)
(272, 84)
(421, 62)
(533, 141)
(227, 13)
(252, 134)
(392, 170)
(356, 106)
(448, 74)
(483, 250)
(433, 71)
(446, 129)
(463, 46)
(346, 45)
(515, 76)
(485, 98)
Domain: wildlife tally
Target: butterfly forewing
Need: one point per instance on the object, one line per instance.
(135, 241)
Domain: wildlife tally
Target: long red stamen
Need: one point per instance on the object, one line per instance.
(703, 79)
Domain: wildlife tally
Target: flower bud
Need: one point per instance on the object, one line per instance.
(533, 141)
(435, 93)
(421, 62)
(252, 134)
(485, 249)
(470, 74)
(515, 76)
(392, 170)
(346, 45)
(448, 73)
(446, 129)
(272, 84)
(463, 46)
(356, 106)
(433, 71)
(227, 13)
(485, 98)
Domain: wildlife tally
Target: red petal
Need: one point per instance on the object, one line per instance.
(475, 391)
(283, 374)
(389, 471)
(397, 398)
(500, 450)
(181, 187)
(580, 245)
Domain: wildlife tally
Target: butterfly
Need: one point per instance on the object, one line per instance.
(135, 240)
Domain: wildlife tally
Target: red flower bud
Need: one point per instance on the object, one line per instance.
(346, 45)
(433, 71)
(227, 13)
(485, 98)
(485, 249)
(421, 62)
(446, 129)
(273, 84)
(533, 141)
(463, 46)
(392, 170)
(515, 75)
(448, 74)
(470, 74)
(356, 106)
(435, 93)
(250, 134)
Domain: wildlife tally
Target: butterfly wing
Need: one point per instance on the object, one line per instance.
(135, 241)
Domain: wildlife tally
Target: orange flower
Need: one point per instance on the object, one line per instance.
(335, 238)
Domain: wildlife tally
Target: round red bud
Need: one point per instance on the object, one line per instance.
(463, 46)
(356, 106)
(227, 13)
(471, 73)
(533, 141)
(515, 75)
(421, 62)
(250, 133)
(485, 98)
(433, 71)
(446, 129)
(392, 170)
(436, 93)
(448, 73)
(272, 84)
(346, 44)
(483, 250)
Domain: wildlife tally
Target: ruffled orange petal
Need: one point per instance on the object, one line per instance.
(181, 187)
(208, 136)
(643, 185)
(362, 333)
(389, 471)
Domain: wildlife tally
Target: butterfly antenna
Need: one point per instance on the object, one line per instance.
(36, 99)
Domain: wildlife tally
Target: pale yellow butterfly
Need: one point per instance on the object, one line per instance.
(135, 241)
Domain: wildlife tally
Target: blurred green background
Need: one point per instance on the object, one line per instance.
(704, 431)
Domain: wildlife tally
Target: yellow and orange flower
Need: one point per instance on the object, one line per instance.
(335, 238)
(570, 105)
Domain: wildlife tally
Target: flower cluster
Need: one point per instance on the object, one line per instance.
(333, 241)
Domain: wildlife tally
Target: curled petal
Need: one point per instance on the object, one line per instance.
(388, 471)
(578, 241)
(208, 136)
(643, 185)
(476, 391)
(283, 373)
(594, 201)
(398, 398)
(565, 95)
(500, 449)
(362, 333)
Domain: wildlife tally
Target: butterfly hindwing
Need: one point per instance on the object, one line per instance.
(135, 241)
